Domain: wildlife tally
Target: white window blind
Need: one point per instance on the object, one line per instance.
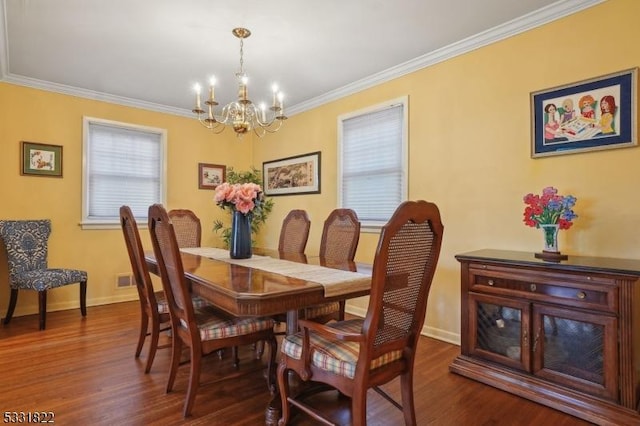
(373, 162)
(124, 165)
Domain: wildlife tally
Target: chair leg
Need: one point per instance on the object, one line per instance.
(144, 324)
(153, 345)
(83, 298)
(12, 305)
(176, 350)
(194, 381)
(406, 388)
(359, 408)
(283, 387)
(42, 307)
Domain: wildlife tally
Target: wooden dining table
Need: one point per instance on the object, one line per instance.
(245, 291)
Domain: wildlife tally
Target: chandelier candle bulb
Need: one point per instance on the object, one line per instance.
(274, 88)
(263, 113)
(198, 103)
(212, 94)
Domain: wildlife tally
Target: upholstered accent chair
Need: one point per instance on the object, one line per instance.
(354, 355)
(203, 330)
(340, 236)
(294, 232)
(26, 245)
(187, 227)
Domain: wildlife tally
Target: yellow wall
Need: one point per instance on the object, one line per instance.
(469, 130)
(38, 116)
(470, 149)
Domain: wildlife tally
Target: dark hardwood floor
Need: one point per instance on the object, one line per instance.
(84, 371)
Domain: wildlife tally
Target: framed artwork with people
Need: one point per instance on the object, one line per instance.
(595, 114)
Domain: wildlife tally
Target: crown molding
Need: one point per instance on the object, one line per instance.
(553, 12)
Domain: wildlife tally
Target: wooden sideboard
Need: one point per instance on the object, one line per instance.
(565, 334)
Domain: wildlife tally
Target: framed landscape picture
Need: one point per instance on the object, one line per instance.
(588, 115)
(39, 159)
(211, 175)
(292, 175)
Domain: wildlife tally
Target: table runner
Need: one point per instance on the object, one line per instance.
(334, 281)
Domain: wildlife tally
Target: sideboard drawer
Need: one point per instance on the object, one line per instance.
(576, 290)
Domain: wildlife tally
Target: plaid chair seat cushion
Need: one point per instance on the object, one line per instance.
(321, 310)
(212, 325)
(163, 305)
(338, 357)
(45, 279)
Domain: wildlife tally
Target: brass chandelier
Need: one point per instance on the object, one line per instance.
(241, 114)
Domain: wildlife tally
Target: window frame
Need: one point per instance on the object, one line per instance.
(86, 221)
(374, 226)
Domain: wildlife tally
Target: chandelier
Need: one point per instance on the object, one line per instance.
(242, 114)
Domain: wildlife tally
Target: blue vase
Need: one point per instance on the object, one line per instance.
(240, 242)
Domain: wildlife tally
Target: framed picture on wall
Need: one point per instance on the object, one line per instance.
(211, 175)
(292, 175)
(40, 159)
(595, 114)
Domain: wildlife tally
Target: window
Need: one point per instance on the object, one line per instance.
(123, 164)
(373, 161)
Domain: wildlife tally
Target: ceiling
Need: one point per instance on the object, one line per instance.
(149, 53)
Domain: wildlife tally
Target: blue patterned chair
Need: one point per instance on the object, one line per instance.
(25, 242)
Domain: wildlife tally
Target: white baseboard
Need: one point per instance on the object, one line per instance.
(436, 333)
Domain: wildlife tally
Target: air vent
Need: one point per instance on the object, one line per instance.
(124, 281)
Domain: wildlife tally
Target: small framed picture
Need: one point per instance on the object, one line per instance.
(211, 175)
(589, 115)
(292, 175)
(39, 159)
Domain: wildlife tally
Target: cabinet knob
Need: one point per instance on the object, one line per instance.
(490, 282)
(581, 295)
(533, 287)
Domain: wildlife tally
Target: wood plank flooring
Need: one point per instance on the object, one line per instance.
(84, 371)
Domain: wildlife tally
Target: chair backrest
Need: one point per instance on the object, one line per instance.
(187, 227)
(340, 235)
(167, 252)
(294, 232)
(136, 257)
(26, 244)
(403, 269)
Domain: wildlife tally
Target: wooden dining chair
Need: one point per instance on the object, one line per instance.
(203, 330)
(355, 355)
(154, 309)
(294, 232)
(340, 236)
(187, 227)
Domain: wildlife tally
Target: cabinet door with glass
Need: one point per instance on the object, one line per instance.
(576, 349)
(499, 330)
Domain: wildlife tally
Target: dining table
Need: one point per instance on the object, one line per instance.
(269, 283)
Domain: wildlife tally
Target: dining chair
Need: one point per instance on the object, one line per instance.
(294, 232)
(354, 355)
(203, 330)
(153, 305)
(26, 247)
(187, 227)
(339, 242)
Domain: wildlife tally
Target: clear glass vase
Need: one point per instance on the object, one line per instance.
(550, 233)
